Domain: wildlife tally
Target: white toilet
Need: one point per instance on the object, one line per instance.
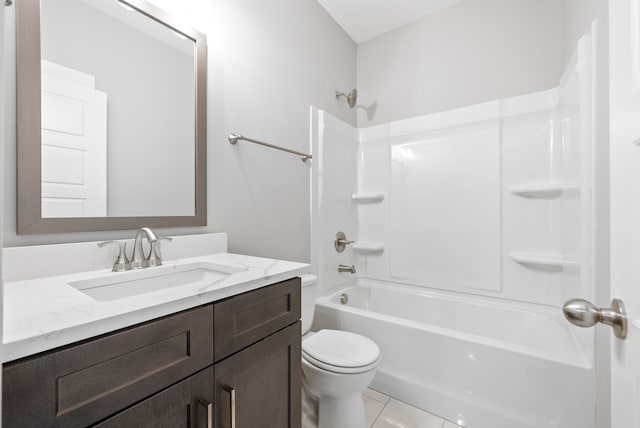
(336, 367)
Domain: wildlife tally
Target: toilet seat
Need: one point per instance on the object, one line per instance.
(340, 352)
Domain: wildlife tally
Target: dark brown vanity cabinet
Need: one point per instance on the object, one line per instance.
(236, 360)
(257, 344)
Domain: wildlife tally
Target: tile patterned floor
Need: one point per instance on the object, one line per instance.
(385, 412)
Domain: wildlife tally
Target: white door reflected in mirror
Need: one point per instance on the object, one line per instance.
(74, 144)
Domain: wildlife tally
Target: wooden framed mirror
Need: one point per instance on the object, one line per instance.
(111, 117)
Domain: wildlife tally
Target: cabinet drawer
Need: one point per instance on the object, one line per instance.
(244, 319)
(84, 383)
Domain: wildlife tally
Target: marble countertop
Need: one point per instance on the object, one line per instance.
(45, 313)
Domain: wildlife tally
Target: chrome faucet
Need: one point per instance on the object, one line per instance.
(345, 268)
(138, 261)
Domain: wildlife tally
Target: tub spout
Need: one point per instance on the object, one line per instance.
(345, 268)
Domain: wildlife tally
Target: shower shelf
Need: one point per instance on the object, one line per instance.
(544, 260)
(543, 191)
(367, 198)
(367, 247)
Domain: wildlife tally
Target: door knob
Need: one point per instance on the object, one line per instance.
(585, 314)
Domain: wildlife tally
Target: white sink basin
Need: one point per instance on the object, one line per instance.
(126, 284)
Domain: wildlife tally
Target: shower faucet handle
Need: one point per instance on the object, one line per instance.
(340, 242)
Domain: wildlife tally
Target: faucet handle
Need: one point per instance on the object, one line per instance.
(153, 259)
(122, 262)
(340, 242)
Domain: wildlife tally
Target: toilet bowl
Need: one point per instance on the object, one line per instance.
(336, 367)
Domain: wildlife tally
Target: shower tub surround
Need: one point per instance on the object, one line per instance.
(472, 227)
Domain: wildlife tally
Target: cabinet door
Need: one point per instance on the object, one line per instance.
(260, 385)
(183, 405)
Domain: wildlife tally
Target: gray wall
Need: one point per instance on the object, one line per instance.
(578, 17)
(268, 62)
(150, 107)
(473, 52)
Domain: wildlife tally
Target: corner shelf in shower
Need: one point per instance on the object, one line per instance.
(367, 197)
(544, 260)
(543, 191)
(367, 247)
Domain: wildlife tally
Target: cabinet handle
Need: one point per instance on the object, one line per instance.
(232, 393)
(209, 407)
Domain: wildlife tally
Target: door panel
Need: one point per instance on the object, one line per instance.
(260, 385)
(624, 46)
(182, 405)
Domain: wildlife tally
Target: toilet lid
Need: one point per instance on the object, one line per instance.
(340, 349)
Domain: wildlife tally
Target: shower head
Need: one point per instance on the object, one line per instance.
(352, 97)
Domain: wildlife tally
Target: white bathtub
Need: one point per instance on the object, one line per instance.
(477, 361)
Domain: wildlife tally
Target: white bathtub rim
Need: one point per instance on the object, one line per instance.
(580, 361)
(466, 296)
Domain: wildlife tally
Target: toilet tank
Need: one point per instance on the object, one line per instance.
(309, 284)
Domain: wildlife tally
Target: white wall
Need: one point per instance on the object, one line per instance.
(473, 52)
(265, 69)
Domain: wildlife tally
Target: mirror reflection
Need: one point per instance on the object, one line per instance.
(118, 113)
